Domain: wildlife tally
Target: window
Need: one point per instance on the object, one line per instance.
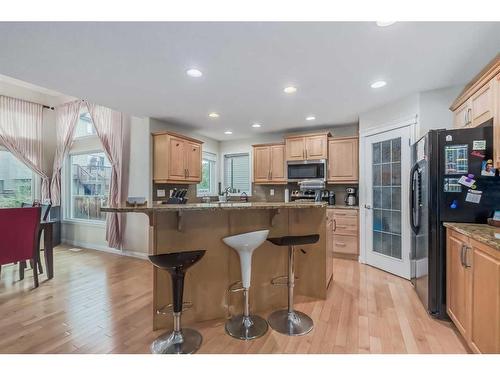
(90, 180)
(85, 127)
(208, 184)
(237, 173)
(87, 174)
(16, 181)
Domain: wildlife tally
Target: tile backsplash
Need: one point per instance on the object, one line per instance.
(260, 193)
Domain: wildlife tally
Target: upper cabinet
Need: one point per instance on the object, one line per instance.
(176, 159)
(480, 102)
(307, 147)
(343, 160)
(269, 164)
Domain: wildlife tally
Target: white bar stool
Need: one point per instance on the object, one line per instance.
(246, 326)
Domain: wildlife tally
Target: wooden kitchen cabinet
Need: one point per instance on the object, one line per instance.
(485, 322)
(481, 105)
(461, 116)
(307, 147)
(343, 164)
(479, 102)
(176, 159)
(473, 291)
(344, 232)
(329, 246)
(457, 282)
(269, 164)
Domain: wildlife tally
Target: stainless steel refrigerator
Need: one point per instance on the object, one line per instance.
(439, 160)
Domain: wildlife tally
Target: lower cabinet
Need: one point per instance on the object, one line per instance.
(473, 291)
(342, 232)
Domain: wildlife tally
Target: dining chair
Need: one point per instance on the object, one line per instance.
(20, 237)
(45, 210)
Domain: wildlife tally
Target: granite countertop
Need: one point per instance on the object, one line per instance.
(343, 206)
(480, 232)
(215, 206)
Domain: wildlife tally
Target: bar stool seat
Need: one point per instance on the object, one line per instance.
(180, 340)
(290, 321)
(246, 326)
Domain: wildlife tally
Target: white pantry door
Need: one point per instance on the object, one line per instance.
(387, 230)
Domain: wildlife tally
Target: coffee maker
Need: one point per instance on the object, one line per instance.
(350, 198)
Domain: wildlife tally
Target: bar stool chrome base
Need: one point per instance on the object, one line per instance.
(185, 341)
(293, 323)
(246, 327)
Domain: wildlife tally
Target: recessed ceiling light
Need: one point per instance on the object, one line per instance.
(256, 125)
(228, 132)
(378, 84)
(290, 89)
(194, 73)
(385, 23)
(310, 118)
(213, 115)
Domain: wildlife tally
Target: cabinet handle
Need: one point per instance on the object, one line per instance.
(340, 243)
(334, 224)
(466, 265)
(469, 117)
(462, 249)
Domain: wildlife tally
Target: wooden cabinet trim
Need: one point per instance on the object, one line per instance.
(177, 135)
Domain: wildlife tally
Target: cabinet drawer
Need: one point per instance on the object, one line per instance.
(344, 212)
(345, 244)
(345, 225)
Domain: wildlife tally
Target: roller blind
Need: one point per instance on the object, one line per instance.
(237, 172)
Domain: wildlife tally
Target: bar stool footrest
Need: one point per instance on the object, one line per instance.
(169, 309)
(277, 281)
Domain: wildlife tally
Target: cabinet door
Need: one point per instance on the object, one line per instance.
(461, 116)
(496, 122)
(193, 159)
(343, 160)
(261, 164)
(485, 327)
(295, 148)
(316, 147)
(457, 282)
(329, 247)
(177, 165)
(482, 105)
(160, 157)
(278, 163)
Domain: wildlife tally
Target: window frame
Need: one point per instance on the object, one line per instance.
(232, 154)
(212, 158)
(36, 180)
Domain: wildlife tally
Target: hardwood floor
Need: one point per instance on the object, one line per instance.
(101, 303)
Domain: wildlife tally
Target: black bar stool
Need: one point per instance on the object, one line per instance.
(180, 340)
(291, 322)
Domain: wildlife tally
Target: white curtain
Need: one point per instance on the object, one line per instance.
(66, 120)
(109, 129)
(21, 134)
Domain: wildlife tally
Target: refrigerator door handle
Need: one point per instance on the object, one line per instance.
(413, 206)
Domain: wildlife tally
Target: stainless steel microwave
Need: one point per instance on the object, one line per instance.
(306, 170)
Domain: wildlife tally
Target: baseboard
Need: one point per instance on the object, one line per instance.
(106, 249)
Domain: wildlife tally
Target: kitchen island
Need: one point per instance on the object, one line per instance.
(202, 226)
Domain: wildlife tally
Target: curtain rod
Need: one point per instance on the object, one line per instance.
(43, 105)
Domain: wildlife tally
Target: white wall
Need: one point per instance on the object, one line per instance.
(434, 108)
(400, 109)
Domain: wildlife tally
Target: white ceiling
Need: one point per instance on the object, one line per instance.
(139, 68)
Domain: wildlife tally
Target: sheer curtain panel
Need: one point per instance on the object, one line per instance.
(21, 134)
(66, 120)
(109, 129)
